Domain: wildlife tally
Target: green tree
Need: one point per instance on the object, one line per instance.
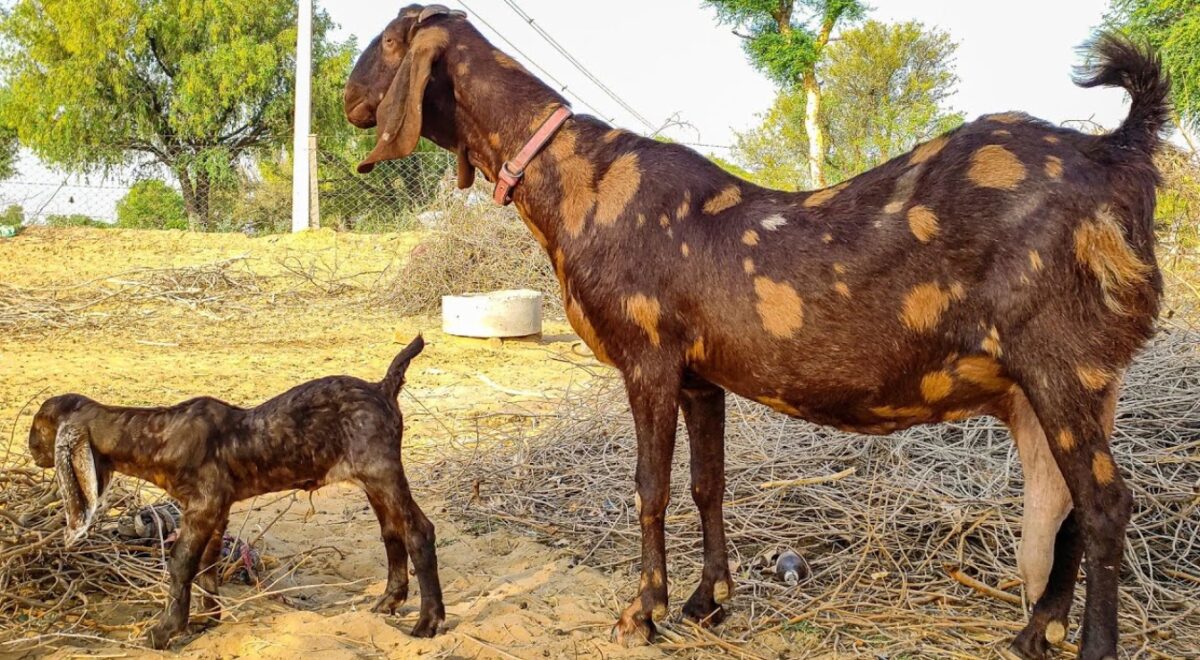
(886, 89)
(781, 43)
(1173, 27)
(196, 86)
(8, 143)
(151, 204)
(8, 152)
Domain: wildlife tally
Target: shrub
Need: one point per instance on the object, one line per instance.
(263, 207)
(75, 220)
(13, 216)
(152, 204)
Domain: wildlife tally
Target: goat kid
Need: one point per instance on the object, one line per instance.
(1004, 268)
(208, 455)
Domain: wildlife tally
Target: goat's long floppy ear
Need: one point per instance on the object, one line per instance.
(79, 482)
(399, 114)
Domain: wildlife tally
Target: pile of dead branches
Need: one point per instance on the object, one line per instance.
(911, 539)
(472, 246)
(51, 591)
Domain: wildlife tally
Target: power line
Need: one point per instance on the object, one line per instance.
(708, 146)
(562, 86)
(578, 65)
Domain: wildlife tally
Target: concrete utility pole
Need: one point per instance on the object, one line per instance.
(303, 119)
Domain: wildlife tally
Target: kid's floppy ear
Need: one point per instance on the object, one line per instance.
(399, 114)
(79, 482)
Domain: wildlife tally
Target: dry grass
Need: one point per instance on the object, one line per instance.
(217, 290)
(890, 544)
(472, 247)
(51, 594)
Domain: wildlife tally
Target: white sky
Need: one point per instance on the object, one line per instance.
(668, 56)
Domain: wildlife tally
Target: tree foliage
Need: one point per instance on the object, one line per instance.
(886, 88)
(1173, 27)
(781, 44)
(195, 86)
(778, 40)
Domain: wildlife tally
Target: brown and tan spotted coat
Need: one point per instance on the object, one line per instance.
(1005, 268)
(208, 455)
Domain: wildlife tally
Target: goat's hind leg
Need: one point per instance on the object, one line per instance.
(1054, 595)
(400, 518)
(1048, 621)
(392, 528)
(1079, 421)
(703, 406)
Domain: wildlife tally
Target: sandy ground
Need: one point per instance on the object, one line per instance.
(506, 596)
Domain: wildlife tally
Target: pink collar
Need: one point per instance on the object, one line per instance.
(512, 171)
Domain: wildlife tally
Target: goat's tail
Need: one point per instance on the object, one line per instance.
(394, 379)
(1116, 61)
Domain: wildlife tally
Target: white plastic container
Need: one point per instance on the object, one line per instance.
(516, 313)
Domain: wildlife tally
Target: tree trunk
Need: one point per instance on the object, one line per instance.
(1187, 137)
(816, 134)
(812, 93)
(196, 194)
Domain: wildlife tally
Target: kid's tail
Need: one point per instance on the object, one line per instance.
(394, 380)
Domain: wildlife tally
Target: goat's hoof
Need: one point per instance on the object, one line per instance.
(428, 626)
(1031, 644)
(633, 629)
(204, 621)
(159, 637)
(704, 611)
(389, 603)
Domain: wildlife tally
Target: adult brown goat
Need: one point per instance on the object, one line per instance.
(1005, 268)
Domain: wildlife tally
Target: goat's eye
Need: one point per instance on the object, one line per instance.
(389, 42)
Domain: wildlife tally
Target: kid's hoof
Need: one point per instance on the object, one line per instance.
(159, 637)
(389, 603)
(427, 626)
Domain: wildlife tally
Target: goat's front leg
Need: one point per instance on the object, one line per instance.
(194, 534)
(654, 398)
(209, 577)
(703, 406)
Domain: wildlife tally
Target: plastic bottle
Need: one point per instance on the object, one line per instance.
(790, 567)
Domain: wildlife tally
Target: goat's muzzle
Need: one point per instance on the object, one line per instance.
(358, 109)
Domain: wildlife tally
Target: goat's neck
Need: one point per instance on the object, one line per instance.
(132, 439)
(494, 122)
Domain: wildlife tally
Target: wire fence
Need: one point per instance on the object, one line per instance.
(253, 196)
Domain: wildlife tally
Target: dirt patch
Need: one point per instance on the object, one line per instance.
(300, 307)
(531, 498)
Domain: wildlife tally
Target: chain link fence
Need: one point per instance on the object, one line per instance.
(393, 196)
(253, 196)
